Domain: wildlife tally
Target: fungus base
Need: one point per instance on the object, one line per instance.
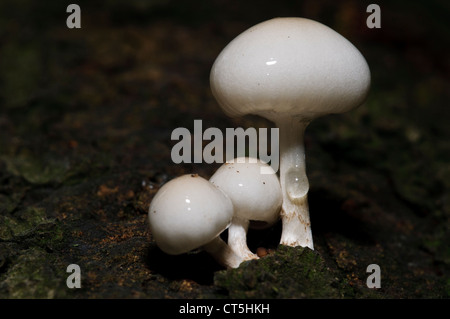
(294, 183)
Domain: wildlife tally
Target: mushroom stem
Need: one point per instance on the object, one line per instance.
(296, 226)
(237, 238)
(222, 253)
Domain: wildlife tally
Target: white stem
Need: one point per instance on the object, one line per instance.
(222, 253)
(237, 238)
(296, 224)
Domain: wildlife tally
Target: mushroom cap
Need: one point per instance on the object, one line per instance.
(255, 196)
(187, 213)
(291, 66)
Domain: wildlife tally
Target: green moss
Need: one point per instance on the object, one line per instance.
(32, 227)
(31, 276)
(21, 223)
(28, 267)
(288, 273)
(36, 170)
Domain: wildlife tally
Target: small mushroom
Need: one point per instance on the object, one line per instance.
(290, 71)
(189, 213)
(256, 199)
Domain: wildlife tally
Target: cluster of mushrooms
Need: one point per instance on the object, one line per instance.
(289, 71)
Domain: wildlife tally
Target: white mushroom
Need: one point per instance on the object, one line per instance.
(256, 198)
(188, 213)
(290, 71)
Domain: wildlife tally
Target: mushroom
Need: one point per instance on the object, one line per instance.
(188, 213)
(290, 71)
(256, 198)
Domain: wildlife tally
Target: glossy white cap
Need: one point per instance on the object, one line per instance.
(289, 66)
(187, 213)
(255, 196)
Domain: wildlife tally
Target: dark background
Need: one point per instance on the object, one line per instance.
(85, 122)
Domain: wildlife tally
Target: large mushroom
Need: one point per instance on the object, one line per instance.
(190, 213)
(290, 71)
